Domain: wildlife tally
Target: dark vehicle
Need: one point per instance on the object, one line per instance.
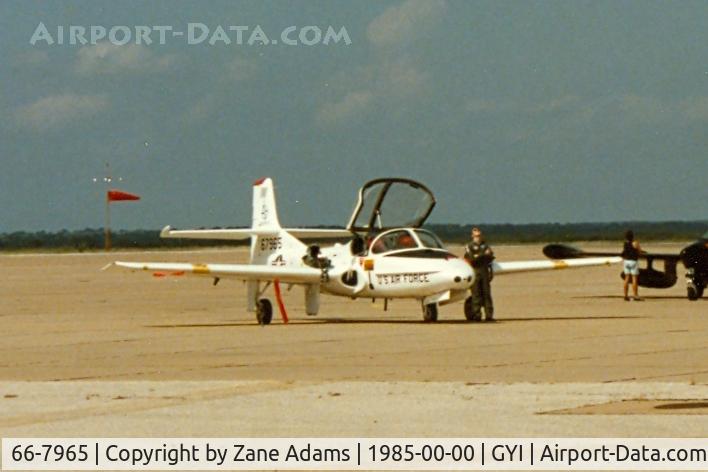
(694, 258)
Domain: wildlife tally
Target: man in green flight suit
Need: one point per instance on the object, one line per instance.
(480, 256)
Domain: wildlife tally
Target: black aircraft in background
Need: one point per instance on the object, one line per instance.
(694, 258)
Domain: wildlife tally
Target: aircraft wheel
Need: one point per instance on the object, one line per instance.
(430, 312)
(264, 311)
(693, 292)
(469, 313)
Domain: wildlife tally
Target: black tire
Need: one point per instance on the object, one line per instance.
(430, 313)
(693, 293)
(264, 311)
(469, 313)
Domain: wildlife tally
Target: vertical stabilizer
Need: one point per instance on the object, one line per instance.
(270, 243)
(265, 215)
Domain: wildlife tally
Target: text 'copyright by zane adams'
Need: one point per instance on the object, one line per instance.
(354, 453)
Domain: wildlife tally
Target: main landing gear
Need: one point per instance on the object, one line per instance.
(264, 311)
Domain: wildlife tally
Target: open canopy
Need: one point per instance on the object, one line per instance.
(391, 203)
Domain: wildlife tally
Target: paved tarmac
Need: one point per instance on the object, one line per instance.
(90, 353)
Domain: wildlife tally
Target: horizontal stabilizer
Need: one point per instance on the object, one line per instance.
(245, 233)
(226, 234)
(307, 233)
(563, 251)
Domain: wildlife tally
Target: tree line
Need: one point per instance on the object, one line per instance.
(92, 238)
(566, 232)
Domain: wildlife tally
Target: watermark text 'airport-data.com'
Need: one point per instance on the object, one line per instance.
(191, 34)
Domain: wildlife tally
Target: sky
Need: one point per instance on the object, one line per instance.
(511, 112)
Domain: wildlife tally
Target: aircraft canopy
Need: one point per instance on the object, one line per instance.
(391, 203)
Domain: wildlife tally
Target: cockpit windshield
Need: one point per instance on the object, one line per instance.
(394, 241)
(428, 239)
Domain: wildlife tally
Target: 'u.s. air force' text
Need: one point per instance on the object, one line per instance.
(406, 278)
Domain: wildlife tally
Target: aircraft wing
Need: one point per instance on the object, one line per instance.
(532, 266)
(295, 275)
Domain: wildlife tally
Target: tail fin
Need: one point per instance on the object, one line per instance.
(265, 214)
(268, 237)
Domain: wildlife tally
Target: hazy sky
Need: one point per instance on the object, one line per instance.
(511, 111)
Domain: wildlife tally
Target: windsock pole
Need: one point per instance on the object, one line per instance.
(107, 225)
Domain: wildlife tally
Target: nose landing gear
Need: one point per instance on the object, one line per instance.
(694, 285)
(695, 291)
(430, 312)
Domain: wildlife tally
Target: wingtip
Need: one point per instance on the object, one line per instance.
(165, 232)
(107, 266)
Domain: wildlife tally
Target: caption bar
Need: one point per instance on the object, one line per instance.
(354, 454)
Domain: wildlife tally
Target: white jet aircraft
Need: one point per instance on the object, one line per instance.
(387, 256)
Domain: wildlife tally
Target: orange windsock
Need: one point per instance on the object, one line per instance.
(120, 196)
